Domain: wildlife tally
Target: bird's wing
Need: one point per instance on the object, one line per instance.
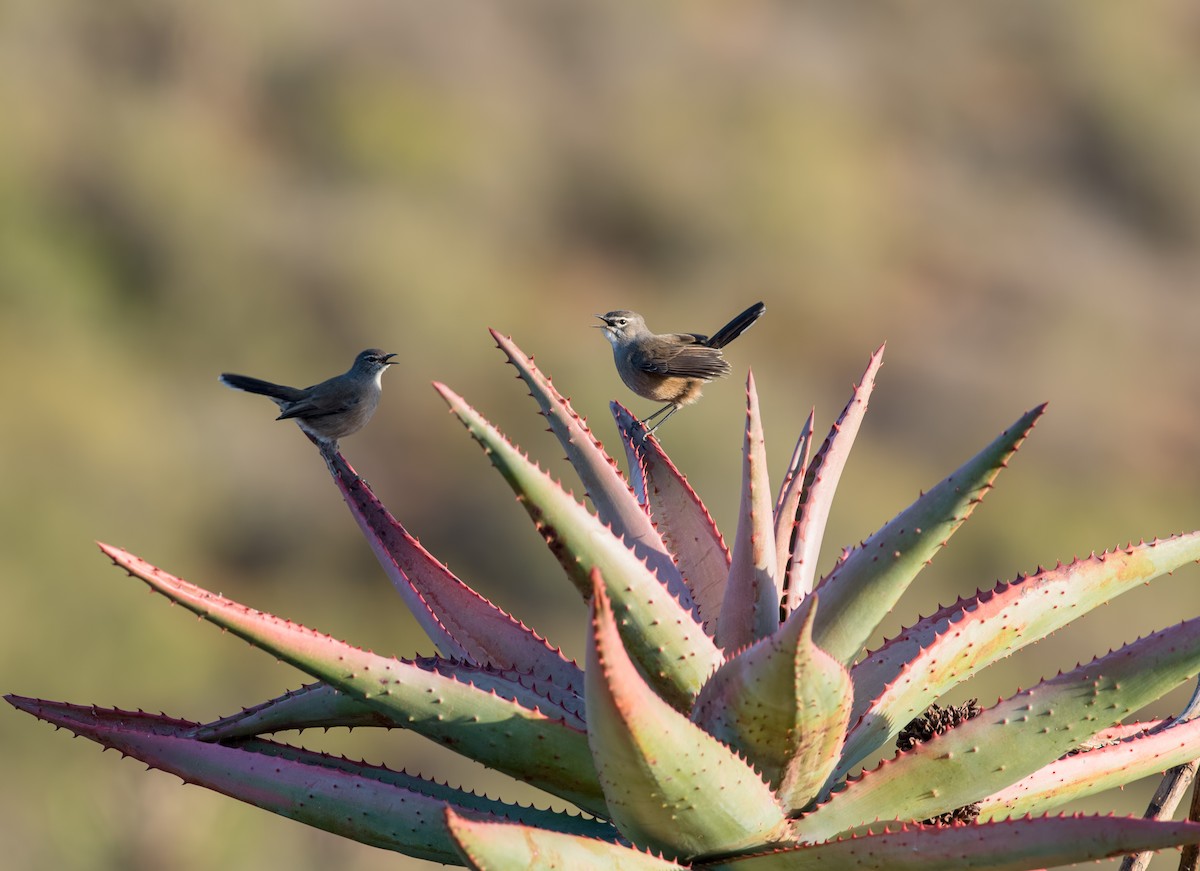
(317, 405)
(689, 358)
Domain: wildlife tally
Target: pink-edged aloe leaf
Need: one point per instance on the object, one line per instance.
(321, 706)
(1082, 774)
(914, 669)
(659, 625)
(389, 809)
(313, 706)
(1009, 845)
(820, 484)
(790, 491)
(680, 515)
(669, 785)
(608, 490)
(866, 584)
(1121, 732)
(462, 623)
(487, 844)
(750, 609)
(1013, 738)
(508, 734)
(785, 704)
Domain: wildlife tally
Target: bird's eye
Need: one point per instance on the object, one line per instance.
(621, 322)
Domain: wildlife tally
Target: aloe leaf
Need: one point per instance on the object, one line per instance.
(321, 706)
(865, 586)
(1082, 774)
(510, 734)
(389, 809)
(462, 623)
(681, 517)
(615, 503)
(820, 484)
(750, 610)
(902, 678)
(1010, 845)
(313, 706)
(1013, 738)
(493, 844)
(785, 703)
(790, 492)
(658, 622)
(668, 784)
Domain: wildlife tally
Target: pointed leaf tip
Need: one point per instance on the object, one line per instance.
(863, 588)
(750, 608)
(821, 482)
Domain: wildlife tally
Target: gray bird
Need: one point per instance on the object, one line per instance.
(332, 409)
(671, 367)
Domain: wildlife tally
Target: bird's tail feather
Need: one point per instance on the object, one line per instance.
(264, 388)
(737, 326)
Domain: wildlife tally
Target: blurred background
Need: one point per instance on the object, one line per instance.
(1008, 194)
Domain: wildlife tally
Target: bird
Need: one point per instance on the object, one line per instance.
(332, 409)
(670, 367)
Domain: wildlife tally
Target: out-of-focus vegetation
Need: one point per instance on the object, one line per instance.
(1009, 194)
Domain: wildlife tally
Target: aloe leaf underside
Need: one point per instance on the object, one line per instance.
(462, 623)
(680, 515)
(389, 809)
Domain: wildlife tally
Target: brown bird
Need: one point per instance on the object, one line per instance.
(670, 367)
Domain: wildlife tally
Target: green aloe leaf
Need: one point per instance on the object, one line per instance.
(790, 493)
(493, 845)
(372, 804)
(609, 492)
(313, 706)
(785, 703)
(820, 484)
(901, 679)
(668, 784)
(1013, 738)
(750, 610)
(1011, 845)
(462, 623)
(865, 585)
(321, 706)
(510, 734)
(658, 623)
(1082, 774)
(679, 514)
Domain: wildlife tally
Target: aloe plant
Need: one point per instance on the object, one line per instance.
(727, 705)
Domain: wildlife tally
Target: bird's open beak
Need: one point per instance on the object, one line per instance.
(603, 325)
(388, 361)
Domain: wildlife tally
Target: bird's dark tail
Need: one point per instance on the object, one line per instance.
(257, 385)
(737, 326)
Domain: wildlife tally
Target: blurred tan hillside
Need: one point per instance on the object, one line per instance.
(1007, 193)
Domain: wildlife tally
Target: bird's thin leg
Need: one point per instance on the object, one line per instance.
(669, 409)
(670, 406)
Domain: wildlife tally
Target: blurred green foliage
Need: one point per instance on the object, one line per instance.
(1007, 193)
